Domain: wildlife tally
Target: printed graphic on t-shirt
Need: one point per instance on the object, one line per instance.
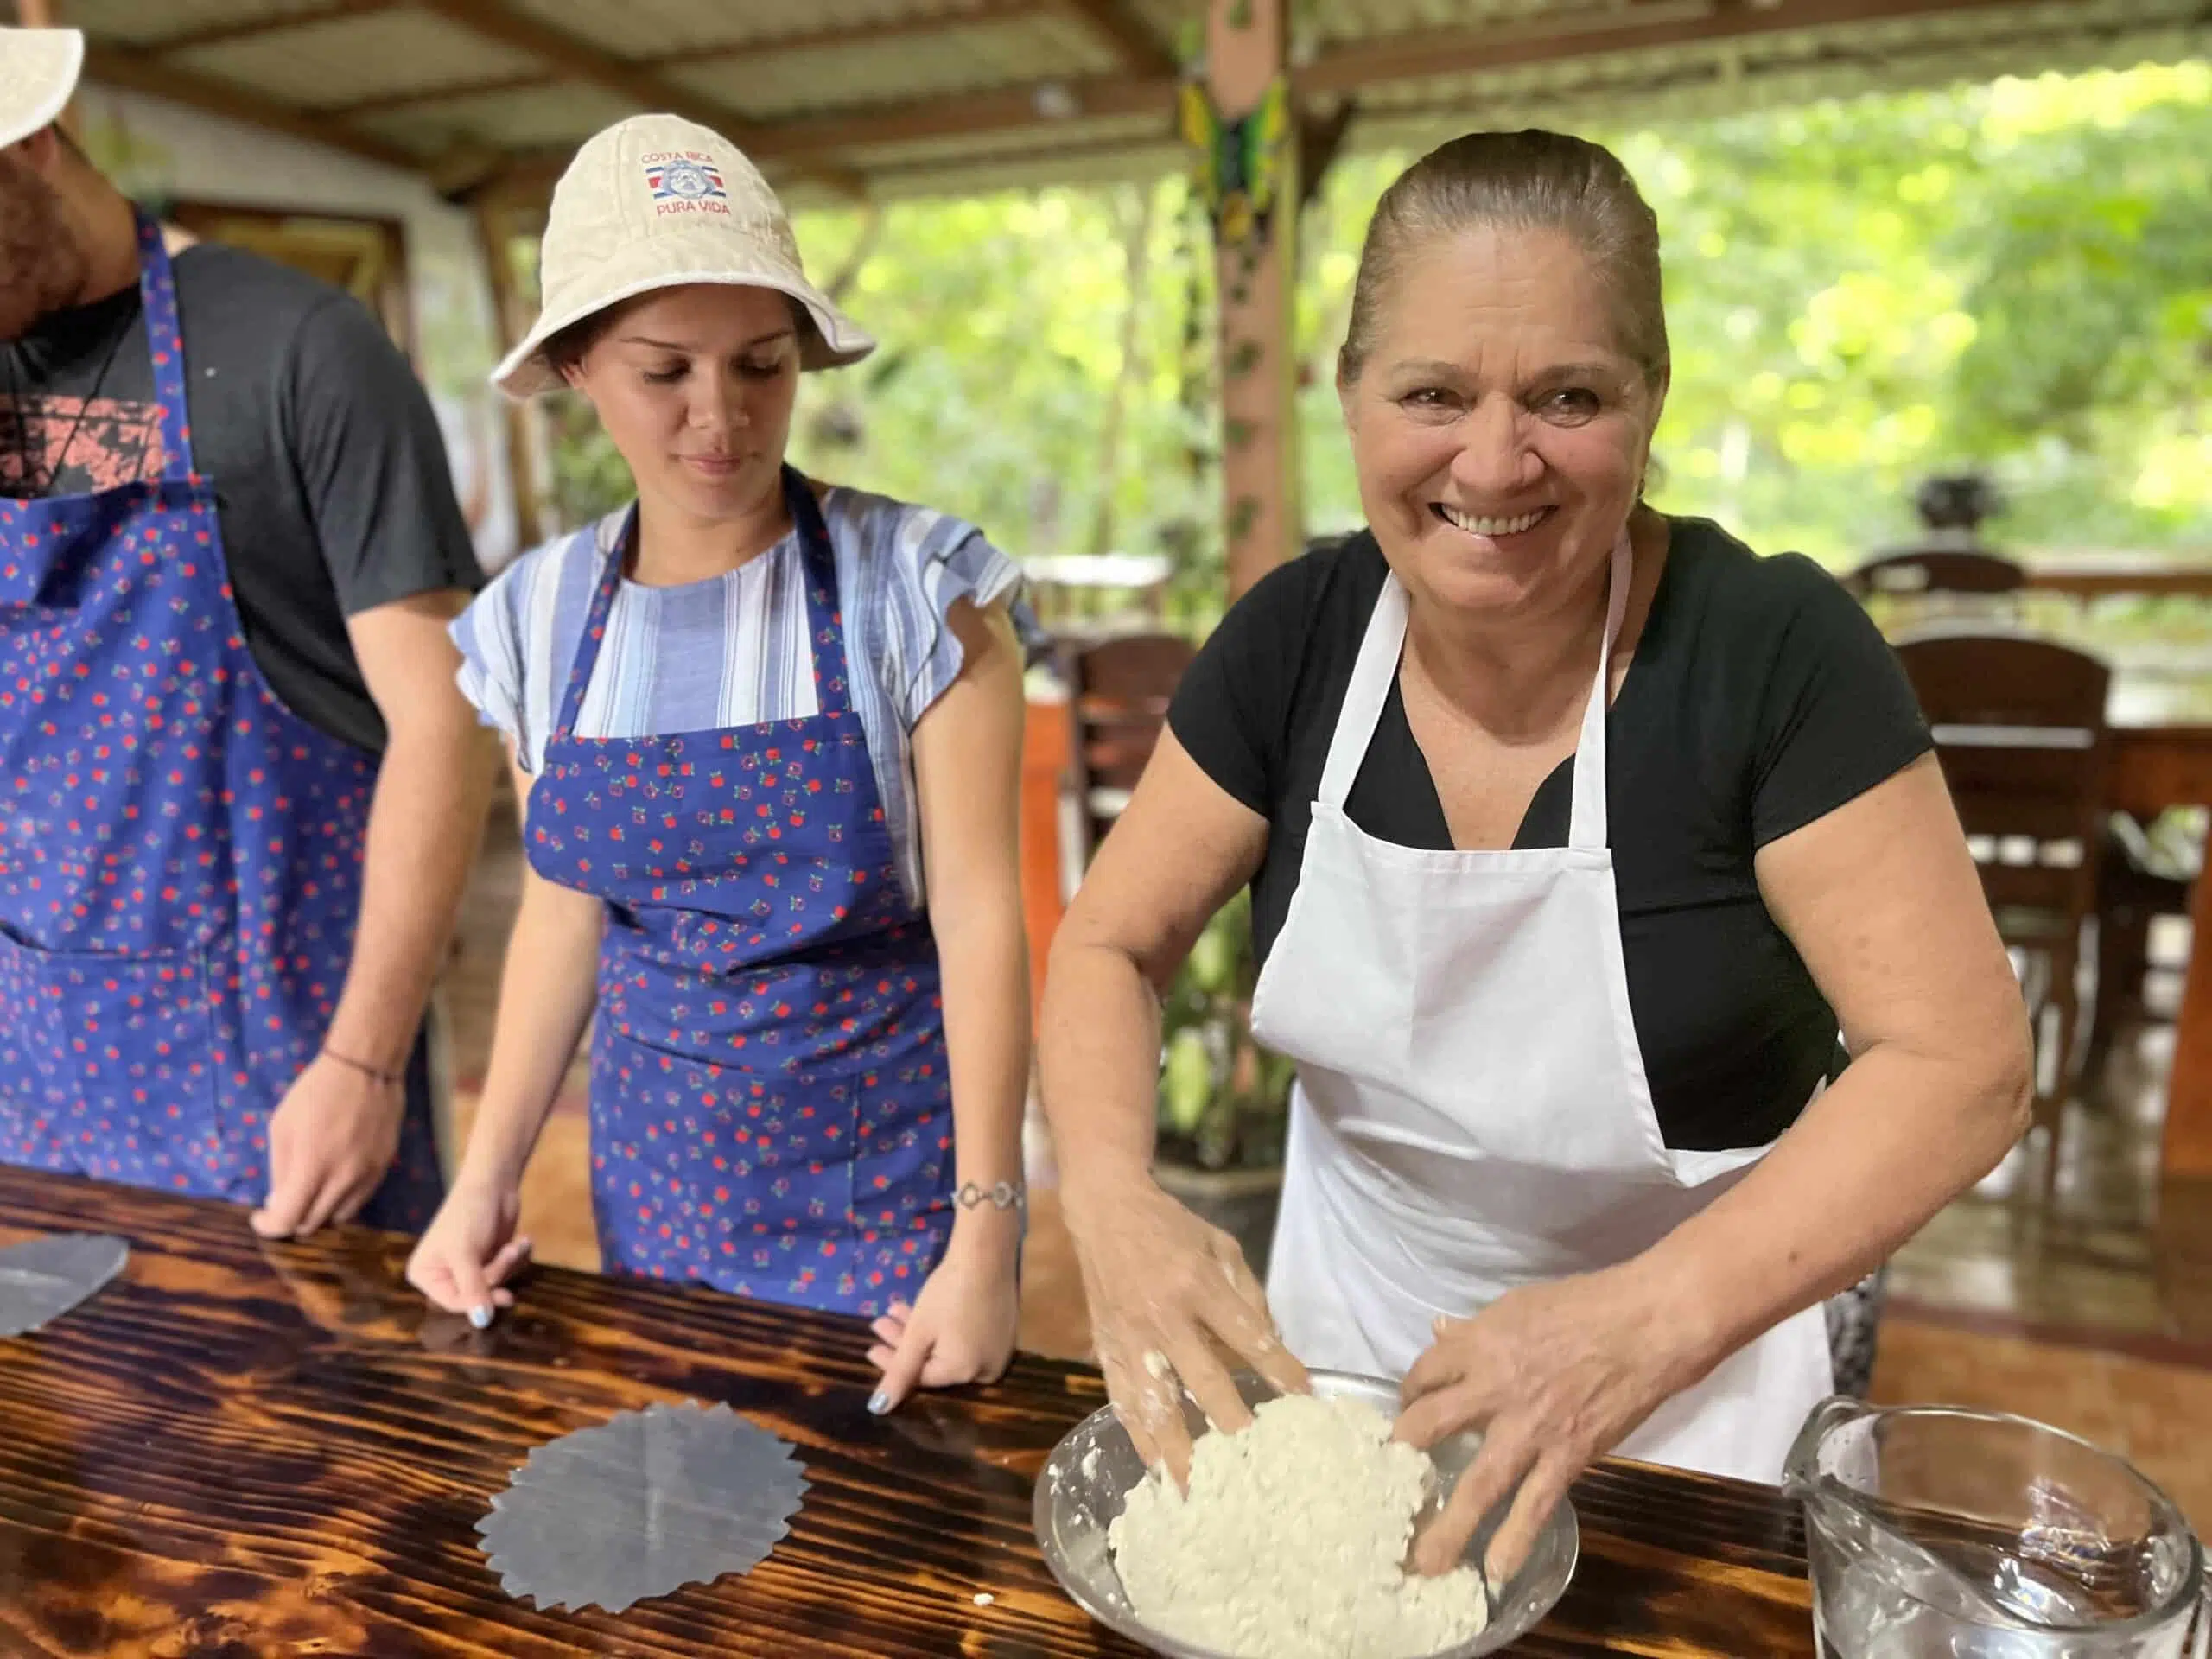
(68, 446)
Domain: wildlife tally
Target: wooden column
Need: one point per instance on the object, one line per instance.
(496, 228)
(1242, 120)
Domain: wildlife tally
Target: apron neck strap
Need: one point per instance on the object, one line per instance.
(1587, 823)
(1371, 674)
(165, 342)
(833, 683)
(595, 619)
(1377, 668)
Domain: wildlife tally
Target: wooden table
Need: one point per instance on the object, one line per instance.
(2162, 758)
(241, 1449)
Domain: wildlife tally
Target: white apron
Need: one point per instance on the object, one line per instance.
(1471, 1111)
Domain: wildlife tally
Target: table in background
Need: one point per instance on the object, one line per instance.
(251, 1449)
(2162, 758)
(2097, 575)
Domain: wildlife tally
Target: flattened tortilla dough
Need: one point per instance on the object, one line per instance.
(1292, 1540)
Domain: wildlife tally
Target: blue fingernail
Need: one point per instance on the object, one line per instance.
(879, 1402)
(480, 1318)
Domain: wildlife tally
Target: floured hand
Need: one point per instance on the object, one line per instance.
(1163, 1288)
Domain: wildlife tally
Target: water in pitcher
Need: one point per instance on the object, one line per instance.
(1939, 1533)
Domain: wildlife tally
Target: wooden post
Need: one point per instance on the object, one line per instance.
(1240, 121)
(495, 231)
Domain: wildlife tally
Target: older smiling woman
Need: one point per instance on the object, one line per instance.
(1641, 988)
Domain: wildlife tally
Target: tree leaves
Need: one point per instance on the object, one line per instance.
(2016, 275)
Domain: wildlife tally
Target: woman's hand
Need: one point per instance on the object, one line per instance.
(960, 1329)
(1555, 1376)
(1166, 1292)
(466, 1253)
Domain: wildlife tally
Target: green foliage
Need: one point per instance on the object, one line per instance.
(1002, 319)
(2016, 277)
(1221, 1097)
(589, 478)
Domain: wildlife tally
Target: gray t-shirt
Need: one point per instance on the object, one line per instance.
(330, 475)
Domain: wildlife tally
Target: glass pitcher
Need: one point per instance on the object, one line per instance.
(1935, 1532)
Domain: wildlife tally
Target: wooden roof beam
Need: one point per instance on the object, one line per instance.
(1141, 51)
(982, 15)
(1432, 54)
(581, 59)
(414, 97)
(140, 72)
(814, 140)
(1320, 140)
(1045, 106)
(755, 53)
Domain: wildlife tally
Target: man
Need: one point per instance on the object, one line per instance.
(240, 791)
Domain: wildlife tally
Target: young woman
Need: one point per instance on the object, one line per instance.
(767, 737)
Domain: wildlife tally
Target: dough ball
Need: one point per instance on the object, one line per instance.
(1292, 1542)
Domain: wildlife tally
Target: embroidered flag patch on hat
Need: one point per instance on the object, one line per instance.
(683, 178)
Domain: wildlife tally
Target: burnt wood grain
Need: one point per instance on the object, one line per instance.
(240, 1449)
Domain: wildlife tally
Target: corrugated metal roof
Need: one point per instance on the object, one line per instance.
(536, 117)
(913, 95)
(1069, 138)
(136, 21)
(1366, 20)
(852, 73)
(672, 30)
(341, 61)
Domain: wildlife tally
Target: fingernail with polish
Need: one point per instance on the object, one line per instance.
(480, 1318)
(879, 1402)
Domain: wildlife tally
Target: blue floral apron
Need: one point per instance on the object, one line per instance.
(180, 855)
(770, 1111)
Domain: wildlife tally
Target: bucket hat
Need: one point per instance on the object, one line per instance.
(657, 202)
(38, 74)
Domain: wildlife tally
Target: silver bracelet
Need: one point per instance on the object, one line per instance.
(1000, 1195)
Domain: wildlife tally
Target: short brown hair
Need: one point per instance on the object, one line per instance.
(566, 347)
(1530, 180)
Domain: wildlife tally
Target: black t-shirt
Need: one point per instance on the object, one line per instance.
(1760, 697)
(330, 476)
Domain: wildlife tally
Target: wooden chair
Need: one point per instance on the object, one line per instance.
(1937, 570)
(1118, 690)
(2140, 881)
(1940, 585)
(2019, 729)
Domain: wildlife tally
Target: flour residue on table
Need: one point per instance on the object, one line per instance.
(1292, 1542)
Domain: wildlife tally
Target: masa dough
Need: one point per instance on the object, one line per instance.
(1292, 1541)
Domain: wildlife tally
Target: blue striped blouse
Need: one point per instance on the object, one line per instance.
(733, 651)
